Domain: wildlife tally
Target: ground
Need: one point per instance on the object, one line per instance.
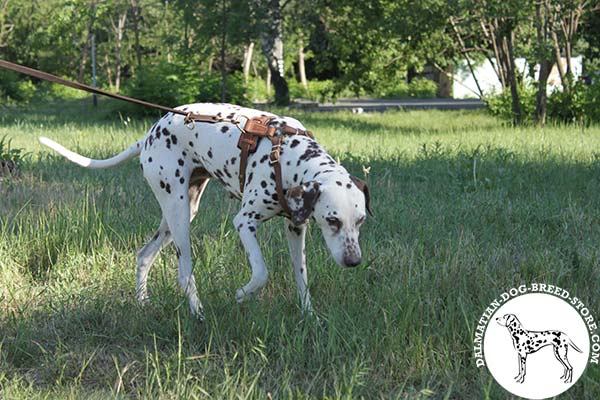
(465, 206)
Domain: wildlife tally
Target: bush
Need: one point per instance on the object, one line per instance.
(400, 89)
(320, 91)
(14, 87)
(501, 104)
(171, 85)
(580, 104)
(422, 88)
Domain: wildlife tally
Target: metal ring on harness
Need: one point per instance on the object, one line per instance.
(189, 122)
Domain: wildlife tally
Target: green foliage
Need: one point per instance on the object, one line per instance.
(501, 104)
(15, 87)
(172, 84)
(399, 89)
(10, 157)
(580, 104)
(320, 91)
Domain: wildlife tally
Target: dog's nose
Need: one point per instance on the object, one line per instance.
(351, 261)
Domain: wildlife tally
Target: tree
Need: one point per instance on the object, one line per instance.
(268, 14)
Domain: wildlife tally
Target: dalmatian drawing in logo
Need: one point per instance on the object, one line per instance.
(528, 342)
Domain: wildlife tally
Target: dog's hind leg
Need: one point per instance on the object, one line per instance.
(178, 219)
(146, 256)
(296, 236)
(162, 238)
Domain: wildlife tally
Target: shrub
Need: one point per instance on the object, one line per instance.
(400, 89)
(422, 88)
(580, 104)
(14, 87)
(172, 84)
(501, 104)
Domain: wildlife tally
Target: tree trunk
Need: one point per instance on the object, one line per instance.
(559, 64)
(512, 78)
(268, 82)
(248, 50)
(136, 30)
(119, 29)
(301, 66)
(223, 51)
(272, 47)
(543, 25)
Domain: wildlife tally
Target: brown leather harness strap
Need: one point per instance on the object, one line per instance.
(255, 129)
(251, 133)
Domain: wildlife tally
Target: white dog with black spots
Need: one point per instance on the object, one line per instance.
(179, 159)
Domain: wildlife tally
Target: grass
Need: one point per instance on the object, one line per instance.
(466, 208)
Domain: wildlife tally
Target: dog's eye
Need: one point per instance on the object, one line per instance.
(360, 221)
(334, 222)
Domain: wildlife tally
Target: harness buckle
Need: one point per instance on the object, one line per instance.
(274, 154)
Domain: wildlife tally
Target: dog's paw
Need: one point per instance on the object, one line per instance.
(241, 295)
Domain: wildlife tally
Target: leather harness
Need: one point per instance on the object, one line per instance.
(253, 130)
(251, 133)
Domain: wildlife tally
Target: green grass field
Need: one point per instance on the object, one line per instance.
(465, 209)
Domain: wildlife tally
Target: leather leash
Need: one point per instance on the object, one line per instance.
(253, 130)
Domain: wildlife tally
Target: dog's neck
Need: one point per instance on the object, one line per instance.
(310, 163)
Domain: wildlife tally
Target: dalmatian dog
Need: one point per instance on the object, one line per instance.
(528, 342)
(179, 158)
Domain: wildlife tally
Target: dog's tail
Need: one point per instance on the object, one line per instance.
(133, 151)
(573, 346)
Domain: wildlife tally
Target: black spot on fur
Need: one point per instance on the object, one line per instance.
(181, 180)
(251, 228)
(174, 138)
(180, 162)
(209, 153)
(295, 177)
(264, 158)
(191, 144)
(166, 132)
(224, 129)
(294, 143)
(168, 188)
(348, 185)
(149, 159)
(263, 184)
(177, 173)
(162, 185)
(338, 183)
(253, 164)
(233, 160)
(249, 178)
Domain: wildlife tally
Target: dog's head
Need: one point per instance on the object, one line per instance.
(339, 207)
(508, 320)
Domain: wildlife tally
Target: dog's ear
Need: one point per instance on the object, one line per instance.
(362, 185)
(301, 200)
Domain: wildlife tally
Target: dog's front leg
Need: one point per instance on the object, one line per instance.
(296, 236)
(246, 228)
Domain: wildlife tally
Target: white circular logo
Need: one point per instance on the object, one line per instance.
(536, 345)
